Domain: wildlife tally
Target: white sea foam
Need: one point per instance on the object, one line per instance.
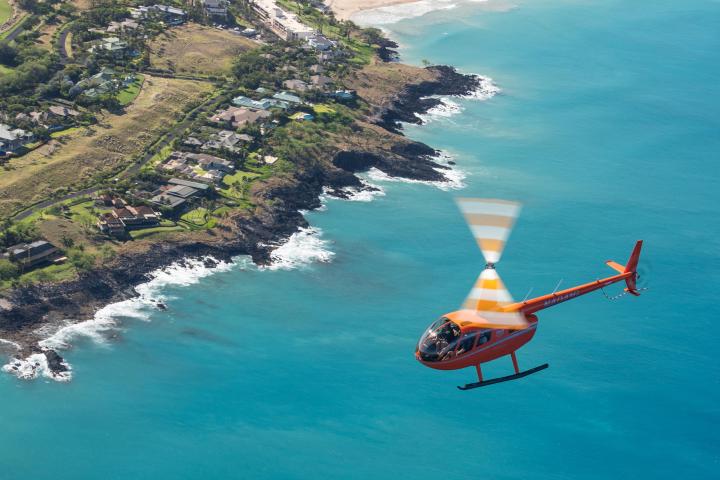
(302, 248)
(445, 109)
(10, 343)
(366, 193)
(448, 107)
(34, 366)
(395, 13)
(455, 177)
(485, 90)
(108, 318)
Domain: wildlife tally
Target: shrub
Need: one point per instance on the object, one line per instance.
(8, 270)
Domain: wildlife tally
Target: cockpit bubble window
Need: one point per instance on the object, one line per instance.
(439, 342)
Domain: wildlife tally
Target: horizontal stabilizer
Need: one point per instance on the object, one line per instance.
(616, 266)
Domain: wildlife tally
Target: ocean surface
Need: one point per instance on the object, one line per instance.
(606, 129)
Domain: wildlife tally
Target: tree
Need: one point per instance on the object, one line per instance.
(8, 270)
(81, 261)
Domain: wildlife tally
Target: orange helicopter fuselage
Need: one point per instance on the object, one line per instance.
(499, 344)
(492, 343)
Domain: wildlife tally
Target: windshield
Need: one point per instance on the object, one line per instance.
(439, 341)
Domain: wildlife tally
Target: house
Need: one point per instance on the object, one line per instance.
(302, 116)
(29, 255)
(316, 69)
(321, 81)
(201, 187)
(262, 104)
(285, 25)
(344, 95)
(239, 116)
(226, 139)
(136, 217)
(215, 8)
(12, 139)
(210, 162)
(192, 142)
(297, 85)
(111, 225)
(170, 15)
(124, 26)
(58, 111)
(113, 45)
(320, 42)
(288, 98)
(166, 200)
(101, 82)
(178, 191)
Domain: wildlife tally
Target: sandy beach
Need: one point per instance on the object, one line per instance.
(345, 9)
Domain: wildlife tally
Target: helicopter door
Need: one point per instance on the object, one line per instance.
(466, 342)
(483, 338)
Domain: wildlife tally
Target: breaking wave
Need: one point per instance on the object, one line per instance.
(455, 177)
(395, 13)
(447, 108)
(108, 318)
(34, 366)
(485, 90)
(301, 248)
(366, 193)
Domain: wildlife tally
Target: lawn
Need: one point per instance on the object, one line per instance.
(131, 92)
(5, 11)
(239, 177)
(197, 50)
(51, 273)
(84, 158)
(323, 108)
(66, 132)
(68, 45)
(199, 218)
(146, 232)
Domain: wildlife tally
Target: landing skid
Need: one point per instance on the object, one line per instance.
(507, 378)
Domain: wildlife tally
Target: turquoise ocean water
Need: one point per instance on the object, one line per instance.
(606, 130)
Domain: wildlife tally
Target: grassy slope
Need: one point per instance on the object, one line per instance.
(127, 96)
(88, 154)
(5, 11)
(197, 49)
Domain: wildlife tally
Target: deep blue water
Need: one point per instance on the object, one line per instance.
(607, 131)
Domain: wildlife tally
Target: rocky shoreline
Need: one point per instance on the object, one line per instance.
(23, 311)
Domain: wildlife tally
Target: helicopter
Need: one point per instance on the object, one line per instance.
(490, 324)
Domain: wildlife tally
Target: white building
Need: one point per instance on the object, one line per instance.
(286, 25)
(12, 139)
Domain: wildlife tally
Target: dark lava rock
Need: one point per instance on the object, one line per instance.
(416, 99)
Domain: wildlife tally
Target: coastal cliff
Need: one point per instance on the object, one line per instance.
(378, 143)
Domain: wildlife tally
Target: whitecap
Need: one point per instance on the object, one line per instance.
(302, 248)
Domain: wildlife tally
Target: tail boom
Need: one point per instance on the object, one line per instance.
(628, 273)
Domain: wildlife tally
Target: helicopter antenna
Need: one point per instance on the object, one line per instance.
(527, 294)
(557, 286)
